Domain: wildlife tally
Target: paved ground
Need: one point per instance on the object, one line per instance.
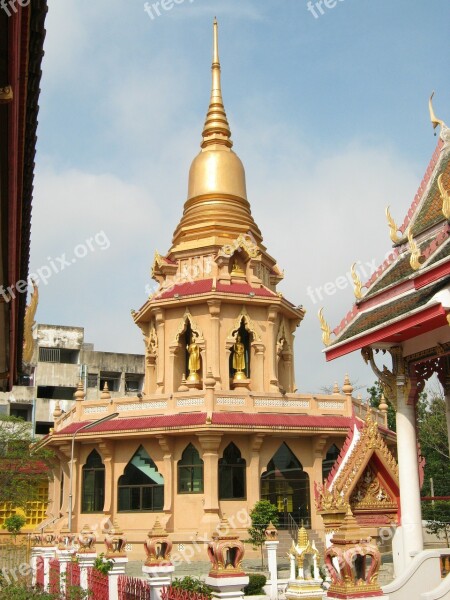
(201, 569)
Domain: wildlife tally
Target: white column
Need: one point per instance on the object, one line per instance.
(227, 588)
(293, 574)
(159, 576)
(271, 547)
(35, 553)
(64, 557)
(118, 568)
(86, 562)
(47, 555)
(411, 537)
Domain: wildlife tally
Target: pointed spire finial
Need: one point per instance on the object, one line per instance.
(216, 129)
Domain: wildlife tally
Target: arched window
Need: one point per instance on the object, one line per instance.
(286, 485)
(141, 487)
(190, 472)
(329, 460)
(93, 488)
(231, 474)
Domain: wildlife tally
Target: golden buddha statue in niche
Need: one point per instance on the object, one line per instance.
(194, 360)
(239, 359)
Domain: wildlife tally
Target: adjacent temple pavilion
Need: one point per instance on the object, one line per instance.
(219, 424)
(400, 323)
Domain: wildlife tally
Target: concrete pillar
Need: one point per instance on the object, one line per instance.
(210, 445)
(35, 553)
(214, 352)
(257, 370)
(227, 588)
(64, 557)
(166, 446)
(409, 540)
(47, 554)
(253, 471)
(159, 318)
(293, 569)
(86, 561)
(159, 576)
(272, 313)
(118, 568)
(271, 547)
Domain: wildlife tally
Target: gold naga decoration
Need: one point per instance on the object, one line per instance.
(393, 229)
(30, 312)
(225, 552)
(158, 546)
(357, 282)
(414, 259)
(445, 197)
(326, 330)
(6, 94)
(434, 120)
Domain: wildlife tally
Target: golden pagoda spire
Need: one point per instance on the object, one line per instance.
(216, 129)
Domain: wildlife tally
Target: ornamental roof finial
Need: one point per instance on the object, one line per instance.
(216, 129)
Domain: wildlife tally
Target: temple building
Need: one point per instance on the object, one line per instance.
(401, 318)
(219, 424)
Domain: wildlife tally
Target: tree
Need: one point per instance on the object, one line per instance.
(21, 469)
(433, 439)
(14, 524)
(261, 515)
(438, 519)
(375, 393)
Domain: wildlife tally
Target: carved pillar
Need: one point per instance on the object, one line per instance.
(253, 470)
(272, 313)
(210, 443)
(257, 374)
(318, 446)
(160, 330)
(175, 381)
(214, 354)
(401, 391)
(167, 447)
(63, 454)
(107, 451)
(287, 357)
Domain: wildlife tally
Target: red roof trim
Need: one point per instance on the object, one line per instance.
(279, 421)
(381, 334)
(441, 271)
(137, 423)
(221, 419)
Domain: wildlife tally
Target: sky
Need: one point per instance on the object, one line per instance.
(328, 113)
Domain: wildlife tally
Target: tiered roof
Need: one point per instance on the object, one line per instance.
(408, 294)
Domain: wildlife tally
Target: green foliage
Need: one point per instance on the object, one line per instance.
(433, 438)
(192, 584)
(256, 582)
(103, 566)
(438, 517)
(17, 591)
(21, 471)
(261, 515)
(374, 400)
(14, 524)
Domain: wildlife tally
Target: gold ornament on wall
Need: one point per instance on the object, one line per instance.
(357, 283)
(434, 120)
(445, 197)
(30, 312)
(414, 259)
(393, 229)
(326, 331)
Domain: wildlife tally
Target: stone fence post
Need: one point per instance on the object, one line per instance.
(115, 543)
(271, 544)
(86, 555)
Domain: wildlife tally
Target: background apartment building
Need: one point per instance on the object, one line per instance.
(61, 357)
